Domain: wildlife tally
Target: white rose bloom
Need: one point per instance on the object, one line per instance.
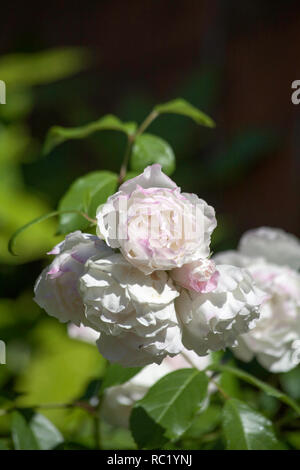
(83, 333)
(155, 226)
(212, 321)
(134, 313)
(274, 245)
(270, 256)
(56, 289)
(119, 400)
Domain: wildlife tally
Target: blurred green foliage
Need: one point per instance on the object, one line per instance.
(19, 204)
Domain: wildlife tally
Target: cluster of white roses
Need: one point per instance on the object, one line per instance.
(146, 283)
(273, 259)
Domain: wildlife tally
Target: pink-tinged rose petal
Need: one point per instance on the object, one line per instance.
(206, 286)
(199, 276)
(55, 250)
(54, 272)
(152, 177)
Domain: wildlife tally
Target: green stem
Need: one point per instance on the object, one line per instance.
(146, 123)
(53, 406)
(123, 169)
(131, 139)
(220, 389)
(190, 361)
(41, 219)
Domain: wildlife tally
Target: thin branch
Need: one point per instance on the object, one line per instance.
(190, 361)
(131, 139)
(220, 389)
(53, 406)
(124, 165)
(146, 123)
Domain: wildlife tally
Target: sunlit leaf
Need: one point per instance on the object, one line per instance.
(115, 374)
(85, 195)
(46, 434)
(22, 436)
(171, 404)
(246, 429)
(57, 135)
(180, 106)
(149, 149)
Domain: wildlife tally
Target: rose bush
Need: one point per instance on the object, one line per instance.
(143, 313)
(145, 290)
(272, 257)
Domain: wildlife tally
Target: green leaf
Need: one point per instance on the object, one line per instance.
(85, 195)
(92, 390)
(34, 432)
(246, 429)
(268, 389)
(145, 431)
(205, 422)
(46, 434)
(116, 375)
(171, 404)
(57, 135)
(149, 149)
(22, 436)
(180, 106)
(25, 70)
